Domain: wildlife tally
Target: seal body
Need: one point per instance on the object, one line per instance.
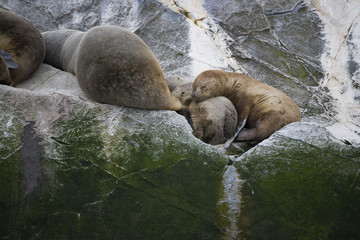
(112, 65)
(261, 109)
(24, 42)
(61, 48)
(214, 120)
(4, 72)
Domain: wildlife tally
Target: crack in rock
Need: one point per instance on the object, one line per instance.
(294, 9)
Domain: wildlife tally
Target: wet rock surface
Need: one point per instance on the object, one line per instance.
(302, 182)
(104, 172)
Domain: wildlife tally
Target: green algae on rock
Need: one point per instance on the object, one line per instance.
(106, 172)
(300, 184)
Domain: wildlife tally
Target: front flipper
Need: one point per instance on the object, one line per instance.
(237, 131)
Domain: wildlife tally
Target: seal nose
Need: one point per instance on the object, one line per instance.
(193, 94)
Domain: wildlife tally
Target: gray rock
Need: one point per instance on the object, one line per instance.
(81, 165)
(302, 182)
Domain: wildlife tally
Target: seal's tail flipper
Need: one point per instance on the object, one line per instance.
(237, 131)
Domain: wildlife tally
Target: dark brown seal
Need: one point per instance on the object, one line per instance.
(24, 42)
(261, 109)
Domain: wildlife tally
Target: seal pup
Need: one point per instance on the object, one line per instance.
(23, 42)
(174, 81)
(213, 120)
(261, 109)
(112, 66)
(183, 93)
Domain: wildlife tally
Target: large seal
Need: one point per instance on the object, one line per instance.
(112, 65)
(213, 120)
(21, 40)
(261, 109)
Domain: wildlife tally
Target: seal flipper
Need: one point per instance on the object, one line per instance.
(237, 131)
(8, 59)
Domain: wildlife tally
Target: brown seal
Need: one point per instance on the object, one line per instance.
(261, 109)
(174, 81)
(112, 65)
(183, 93)
(213, 120)
(24, 42)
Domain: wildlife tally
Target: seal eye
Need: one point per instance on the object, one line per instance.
(202, 87)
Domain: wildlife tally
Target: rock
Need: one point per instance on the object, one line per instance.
(302, 182)
(90, 170)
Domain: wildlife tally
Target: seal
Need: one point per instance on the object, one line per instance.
(112, 66)
(261, 109)
(174, 81)
(183, 93)
(213, 120)
(23, 41)
(61, 48)
(4, 72)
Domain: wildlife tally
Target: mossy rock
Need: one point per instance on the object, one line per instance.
(76, 170)
(300, 184)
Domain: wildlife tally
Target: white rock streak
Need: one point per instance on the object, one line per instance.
(342, 25)
(232, 200)
(209, 49)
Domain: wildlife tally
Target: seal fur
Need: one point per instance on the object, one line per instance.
(183, 93)
(261, 109)
(4, 72)
(213, 120)
(24, 42)
(112, 65)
